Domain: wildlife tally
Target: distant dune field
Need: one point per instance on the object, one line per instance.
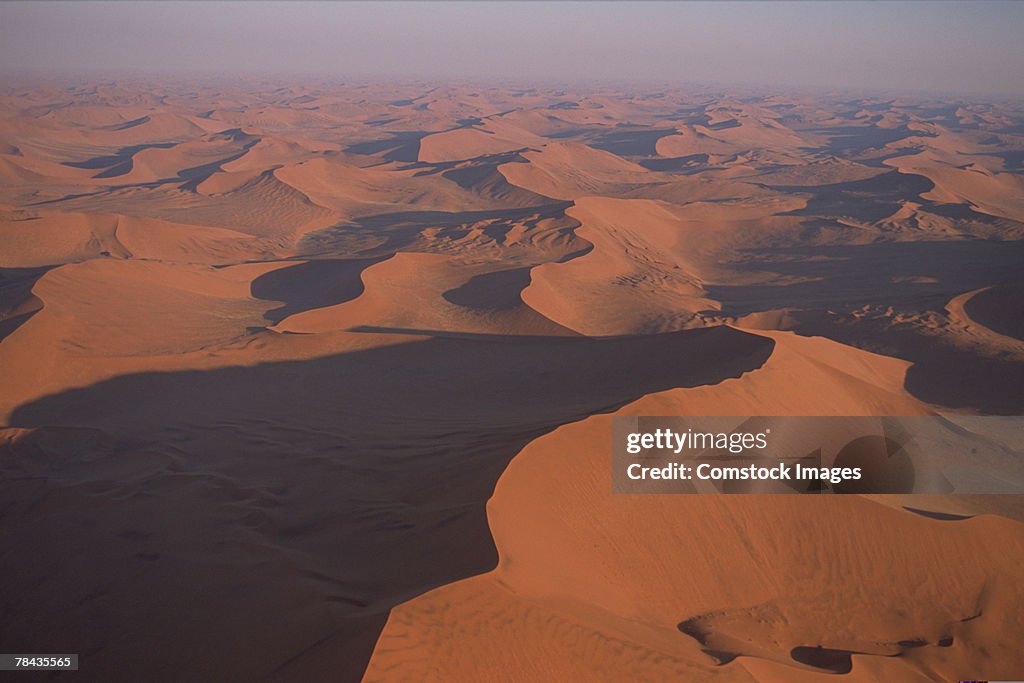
(315, 382)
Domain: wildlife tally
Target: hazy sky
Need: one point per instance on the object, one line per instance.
(932, 46)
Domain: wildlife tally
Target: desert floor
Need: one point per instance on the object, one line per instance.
(315, 382)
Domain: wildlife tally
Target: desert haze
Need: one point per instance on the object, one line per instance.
(314, 380)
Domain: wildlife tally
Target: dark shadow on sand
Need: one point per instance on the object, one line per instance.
(921, 274)
(827, 285)
(871, 199)
(497, 291)
(17, 303)
(359, 479)
(313, 284)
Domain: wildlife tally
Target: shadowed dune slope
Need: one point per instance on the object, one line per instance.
(408, 292)
(308, 500)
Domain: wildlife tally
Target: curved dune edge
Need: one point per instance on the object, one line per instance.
(995, 194)
(353, 191)
(46, 238)
(652, 262)
(960, 308)
(492, 136)
(105, 318)
(572, 170)
(33, 239)
(406, 292)
(592, 586)
(1000, 309)
(632, 281)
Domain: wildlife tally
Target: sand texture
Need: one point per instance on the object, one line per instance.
(315, 382)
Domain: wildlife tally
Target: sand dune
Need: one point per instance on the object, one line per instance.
(633, 280)
(40, 238)
(108, 308)
(995, 194)
(467, 143)
(966, 316)
(998, 309)
(355, 192)
(730, 133)
(153, 239)
(715, 587)
(430, 292)
(570, 171)
(260, 205)
(45, 238)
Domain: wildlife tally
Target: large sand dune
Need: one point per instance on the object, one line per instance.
(745, 588)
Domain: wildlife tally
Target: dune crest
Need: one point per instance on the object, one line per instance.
(713, 587)
(635, 279)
